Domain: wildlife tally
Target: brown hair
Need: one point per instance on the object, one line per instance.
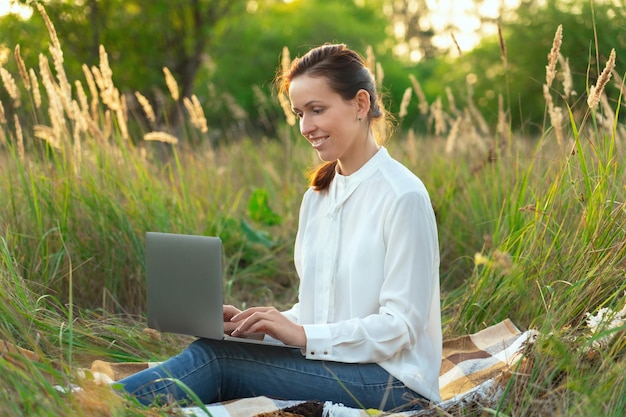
(346, 72)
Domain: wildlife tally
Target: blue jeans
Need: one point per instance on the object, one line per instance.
(219, 371)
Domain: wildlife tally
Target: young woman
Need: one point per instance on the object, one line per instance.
(366, 252)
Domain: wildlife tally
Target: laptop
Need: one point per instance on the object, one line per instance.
(184, 287)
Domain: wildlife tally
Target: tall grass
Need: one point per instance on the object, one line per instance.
(532, 229)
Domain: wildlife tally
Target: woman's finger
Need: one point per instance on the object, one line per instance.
(243, 315)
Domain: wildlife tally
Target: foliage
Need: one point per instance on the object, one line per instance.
(518, 71)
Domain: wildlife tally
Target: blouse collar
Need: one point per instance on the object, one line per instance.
(342, 186)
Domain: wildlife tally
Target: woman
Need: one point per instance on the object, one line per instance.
(366, 252)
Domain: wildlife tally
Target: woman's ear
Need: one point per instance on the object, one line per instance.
(363, 103)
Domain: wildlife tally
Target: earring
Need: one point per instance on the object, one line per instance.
(359, 119)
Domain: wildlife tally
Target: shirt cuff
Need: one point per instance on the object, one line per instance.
(318, 342)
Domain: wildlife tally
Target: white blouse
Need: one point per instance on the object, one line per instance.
(367, 256)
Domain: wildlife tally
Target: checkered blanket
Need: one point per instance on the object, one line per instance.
(474, 368)
(473, 363)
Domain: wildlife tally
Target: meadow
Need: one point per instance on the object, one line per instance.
(532, 228)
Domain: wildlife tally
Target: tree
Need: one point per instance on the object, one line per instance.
(590, 31)
(413, 30)
(141, 37)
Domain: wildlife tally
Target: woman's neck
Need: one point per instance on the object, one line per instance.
(358, 156)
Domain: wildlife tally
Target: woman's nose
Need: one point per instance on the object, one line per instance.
(306, 126)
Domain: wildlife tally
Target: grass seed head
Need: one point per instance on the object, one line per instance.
(436, 110)
(46, 133)
(55, 104)
(196, 113)
(404, 105)
(121, 116)
(547, 96)
(21, 67)
(451, 101)
(10, 86)
(57, 59)
(146, 106)
(453, 135)
(35, 87)
(556, 120)
(82, 98)
(79, 117)
(171, 83)
(423, 103)
(553, 56)
(44, 70)
(20, 138)
(568, 83)
(200, 119)
(161, 137)
(597, 90)
(285, 62)
(105, 68)
(286, 106)
(51, 30)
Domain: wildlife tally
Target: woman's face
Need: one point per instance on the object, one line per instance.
(327, 121)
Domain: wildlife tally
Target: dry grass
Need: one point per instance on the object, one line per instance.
(596, 91)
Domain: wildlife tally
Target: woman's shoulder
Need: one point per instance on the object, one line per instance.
(400, 178)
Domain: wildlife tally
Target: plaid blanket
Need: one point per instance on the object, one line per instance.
(474, 362)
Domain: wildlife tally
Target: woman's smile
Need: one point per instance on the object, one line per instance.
(318, 141)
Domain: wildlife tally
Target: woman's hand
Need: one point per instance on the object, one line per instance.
(267, 320)
(229, 313)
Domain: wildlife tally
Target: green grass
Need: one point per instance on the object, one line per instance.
(534, 232)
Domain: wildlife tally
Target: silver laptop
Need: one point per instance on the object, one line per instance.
(184, 286)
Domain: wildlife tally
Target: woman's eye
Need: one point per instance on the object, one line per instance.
(317, 111)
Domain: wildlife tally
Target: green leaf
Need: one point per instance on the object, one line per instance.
(256, 236)
(259, 209)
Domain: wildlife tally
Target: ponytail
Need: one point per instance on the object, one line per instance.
(321, 177)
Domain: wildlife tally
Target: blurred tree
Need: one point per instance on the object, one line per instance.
(412, 28)
(140, 37)
(590, 31)
(231, 46)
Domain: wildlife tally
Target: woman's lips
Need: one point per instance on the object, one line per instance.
(317, 142)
